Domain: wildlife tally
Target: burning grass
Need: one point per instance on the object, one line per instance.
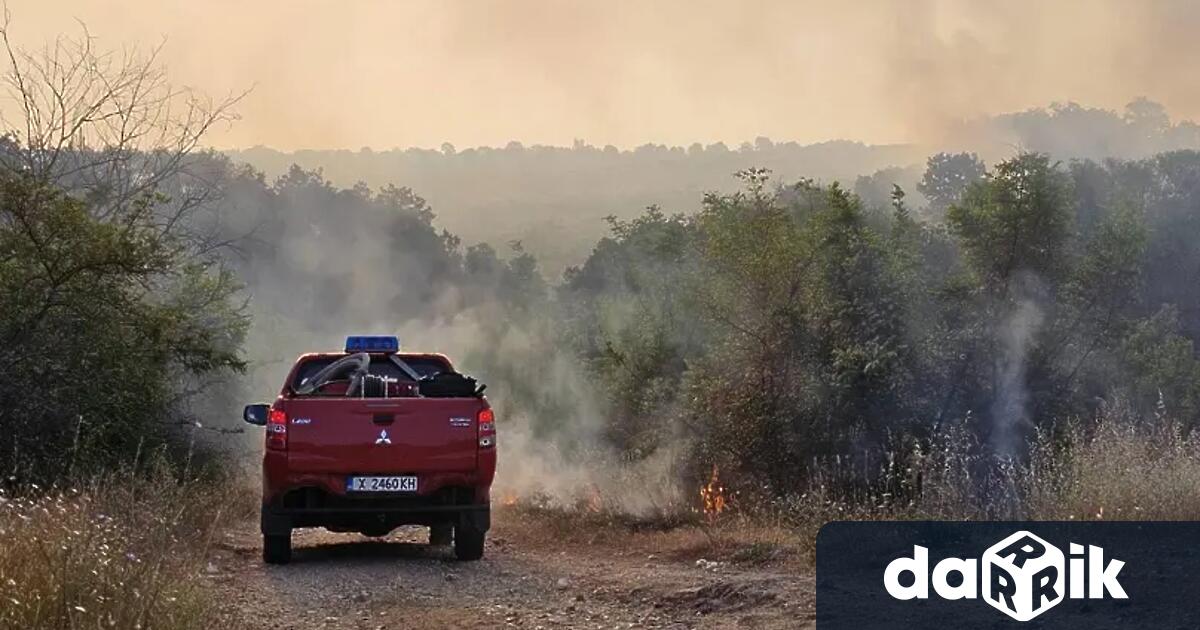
(707, 527)
(120, 551)
(713, 499)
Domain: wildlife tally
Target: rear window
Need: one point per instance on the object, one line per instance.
(380, 365)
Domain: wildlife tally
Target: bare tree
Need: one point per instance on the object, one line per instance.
(110, 128)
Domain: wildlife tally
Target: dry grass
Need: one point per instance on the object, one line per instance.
(1122, 468)
(1119, 467)
(119, 551)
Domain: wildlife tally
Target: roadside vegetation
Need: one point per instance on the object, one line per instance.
(115, 312)
(124, 549)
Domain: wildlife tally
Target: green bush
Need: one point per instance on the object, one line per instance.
(105, 325)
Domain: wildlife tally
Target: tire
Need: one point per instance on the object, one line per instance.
(277, 548)
(468, 543)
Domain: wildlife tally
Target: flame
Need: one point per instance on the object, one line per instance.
(712, 496)
(508, 498)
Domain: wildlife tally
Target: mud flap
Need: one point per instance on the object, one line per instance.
(275, 524)
(478, 520)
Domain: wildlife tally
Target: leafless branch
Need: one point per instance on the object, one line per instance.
(108, 127)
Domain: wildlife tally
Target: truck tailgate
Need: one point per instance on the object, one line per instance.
(368, 436)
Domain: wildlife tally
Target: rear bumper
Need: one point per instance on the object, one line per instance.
(293, 498)
(314, 506)
(279, 480)
(427, 509)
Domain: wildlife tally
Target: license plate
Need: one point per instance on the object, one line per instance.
(381, 484)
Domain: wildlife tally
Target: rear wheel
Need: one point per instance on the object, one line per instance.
(468, 542)
(277, 548)
(441, 534)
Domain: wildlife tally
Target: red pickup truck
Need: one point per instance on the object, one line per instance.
(369, 439)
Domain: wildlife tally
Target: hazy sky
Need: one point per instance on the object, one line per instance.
(397, 73)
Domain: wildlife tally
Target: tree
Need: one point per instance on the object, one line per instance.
(105, 330)
(1018, 220)
(108, 127)
(947, 176)
(806, 348)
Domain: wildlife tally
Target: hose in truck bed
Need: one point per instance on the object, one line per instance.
(358, 362)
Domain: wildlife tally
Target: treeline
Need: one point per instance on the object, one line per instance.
(553, 198)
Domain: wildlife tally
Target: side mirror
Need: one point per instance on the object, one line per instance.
(256, 414)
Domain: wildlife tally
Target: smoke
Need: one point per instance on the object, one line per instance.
(551, 419)
(1010, 408)
(323, 263)
(950, 62)
(348, 75)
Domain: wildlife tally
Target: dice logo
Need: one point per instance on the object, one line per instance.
(1023, 576)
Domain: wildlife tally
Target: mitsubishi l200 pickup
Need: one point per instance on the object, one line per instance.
(369, 439)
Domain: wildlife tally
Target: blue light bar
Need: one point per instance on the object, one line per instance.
(361, 343)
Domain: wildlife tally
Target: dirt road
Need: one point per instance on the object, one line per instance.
(535, 574)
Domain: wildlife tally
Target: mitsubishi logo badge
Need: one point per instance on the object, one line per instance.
(383, 438)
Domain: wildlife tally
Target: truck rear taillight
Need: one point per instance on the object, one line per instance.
(277, 430)
(487, 428)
